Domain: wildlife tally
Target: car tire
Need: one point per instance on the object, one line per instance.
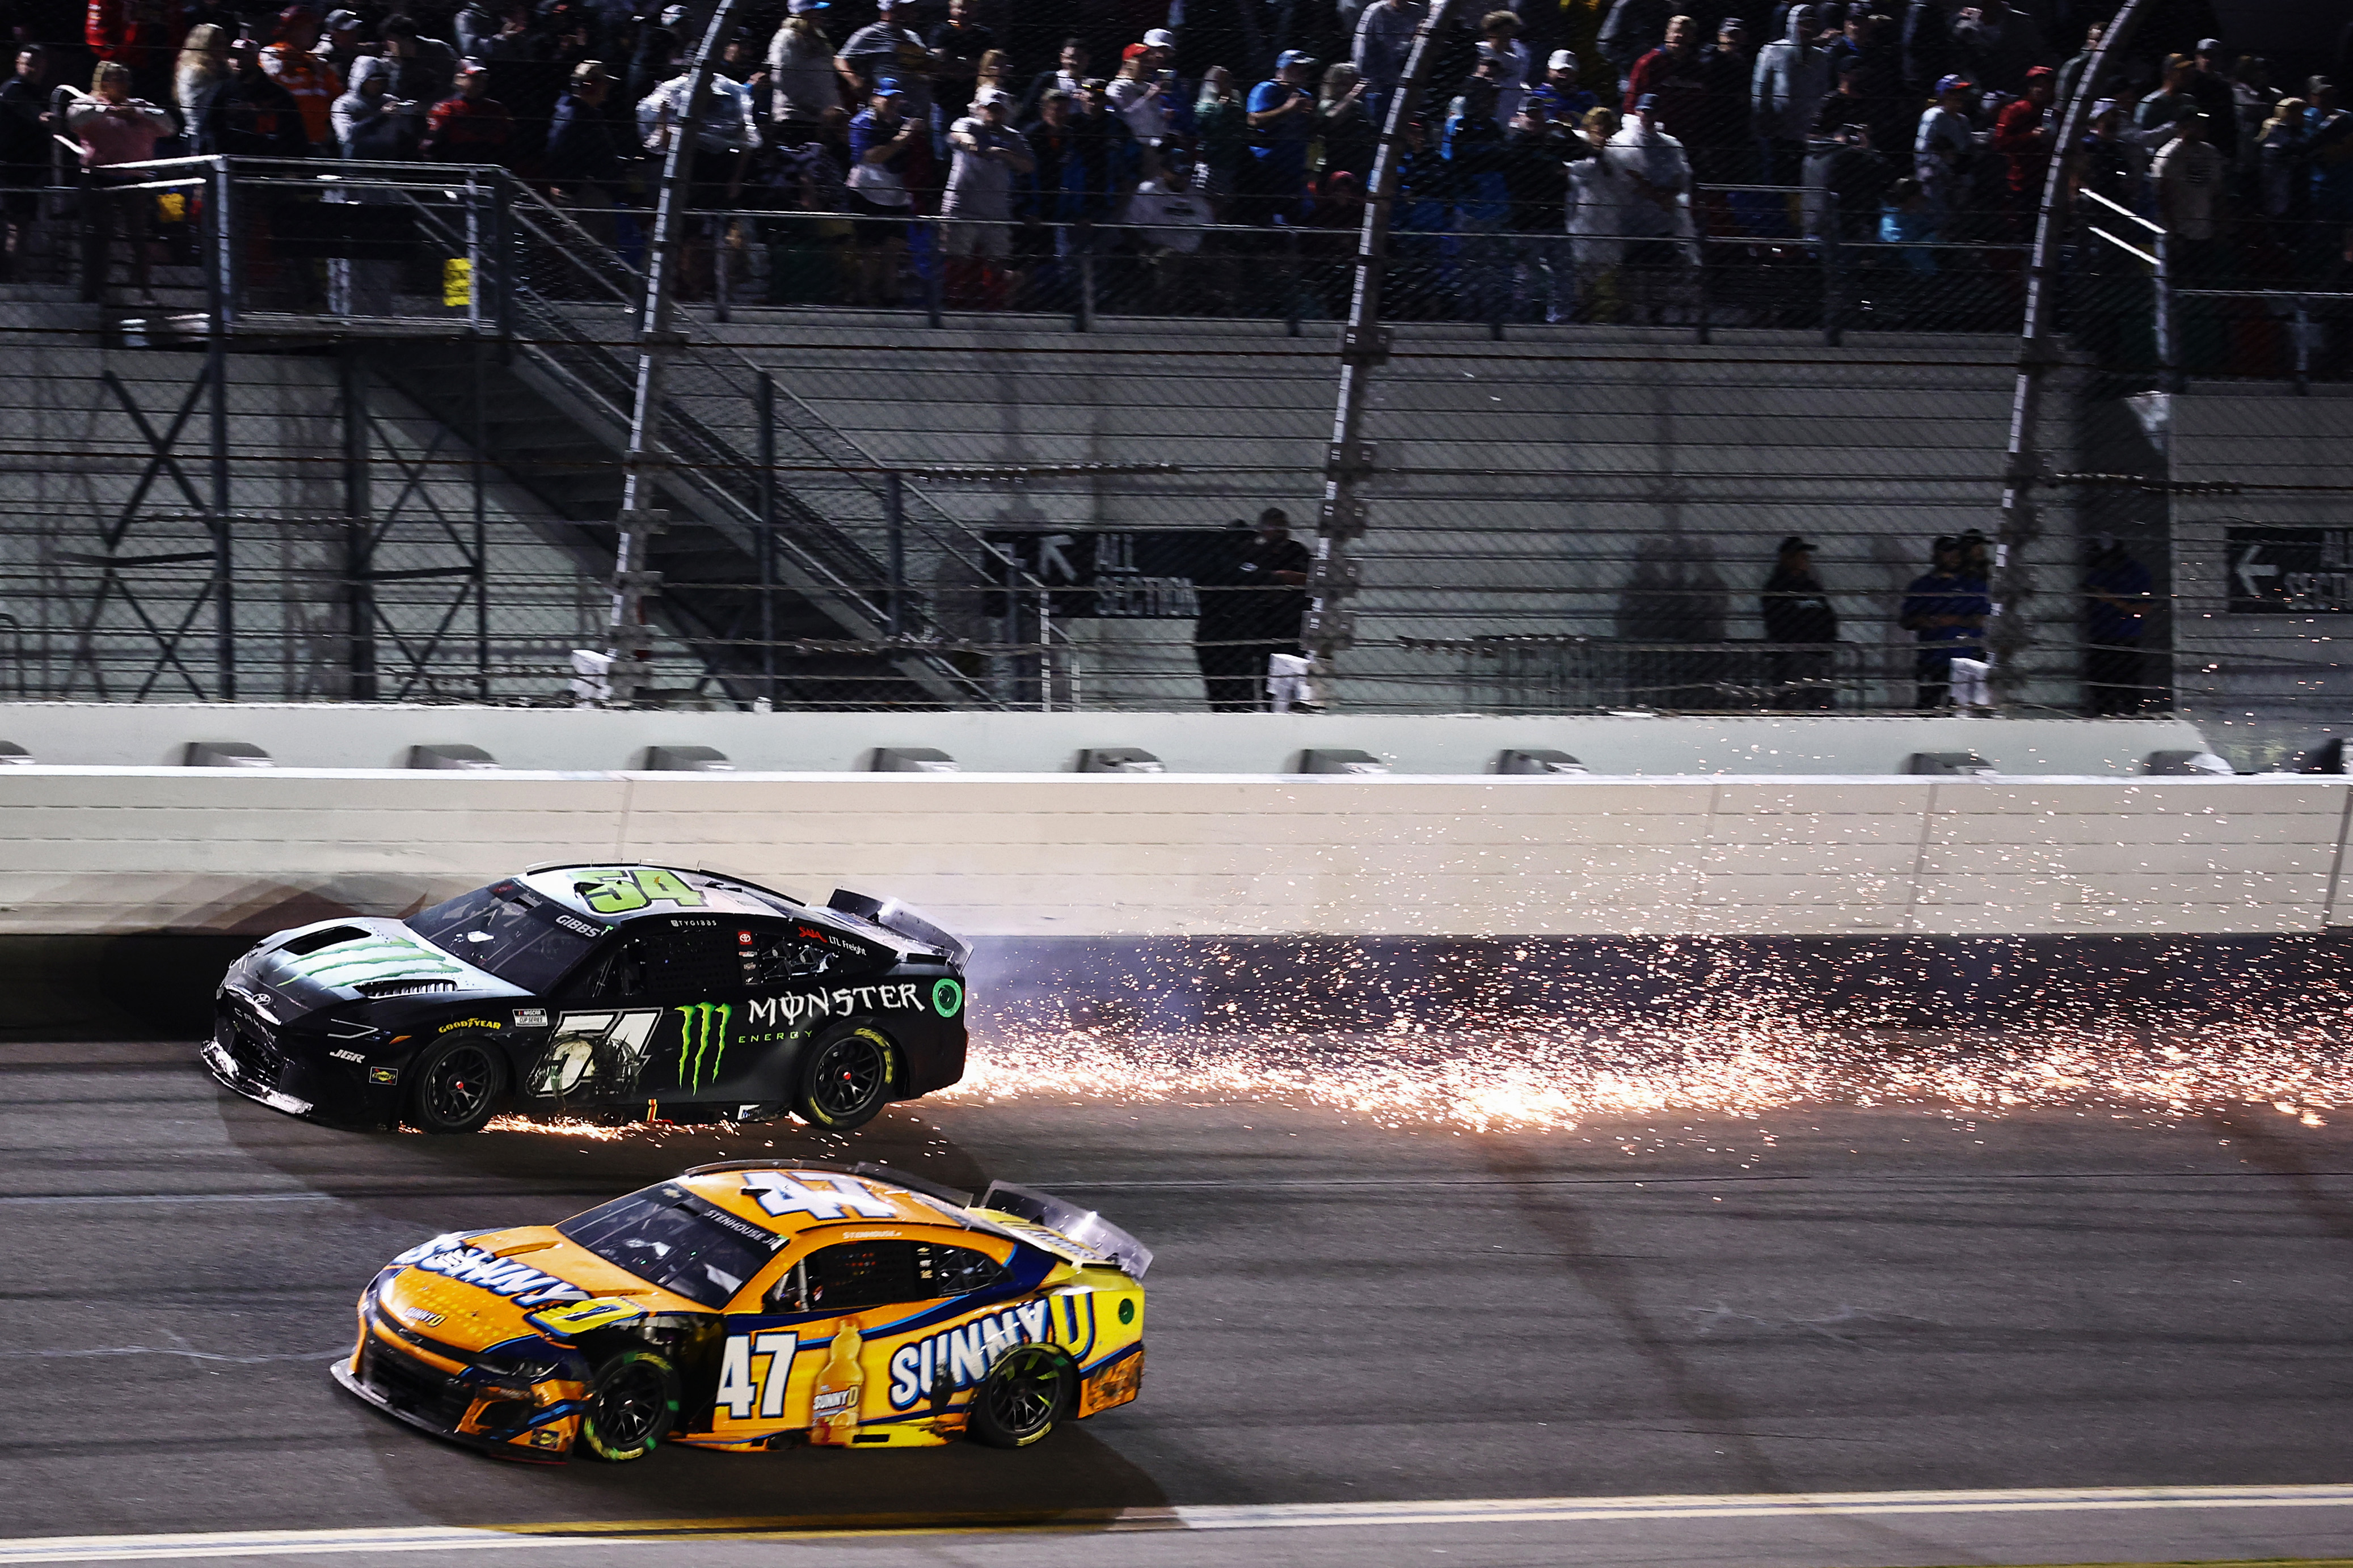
(631, 1407)
(1028, 1389)
(845, 1079)
(456, 1085)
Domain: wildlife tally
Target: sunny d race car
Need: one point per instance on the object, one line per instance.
(760, 1304)
(599, 991)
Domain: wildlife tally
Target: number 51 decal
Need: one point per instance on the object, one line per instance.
(741, 1388)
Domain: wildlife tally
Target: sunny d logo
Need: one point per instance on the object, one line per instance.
(947, 998)
(962, 1356)
(700, 1029)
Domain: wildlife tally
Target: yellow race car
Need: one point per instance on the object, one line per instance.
(758, 1304)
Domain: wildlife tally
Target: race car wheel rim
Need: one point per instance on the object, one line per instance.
(1023, 1391)
(848, 1074)
(461, 1086)
(631, 1408)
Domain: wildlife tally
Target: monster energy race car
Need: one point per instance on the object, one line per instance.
(602, 991)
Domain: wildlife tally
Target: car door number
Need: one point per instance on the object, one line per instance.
(753, 1371)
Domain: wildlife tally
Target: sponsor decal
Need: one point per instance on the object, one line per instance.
(773, 1012)
(375, 957)
(384, 1075)
(742, 939)
(608, 1049)
(753, 1371)
(342, 1056)
(962, 1356)
(574, 924)
(526, 1286)
(1114, 1383)
(418, 1317)
(531, 1017)
(470, 1023)
(820, 1197)
(947, 998)
(580, 1317)
(697, 1026)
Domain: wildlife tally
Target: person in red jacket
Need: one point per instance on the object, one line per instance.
(471, 128)
(314, 84)
(2024, 134)
(144, 34)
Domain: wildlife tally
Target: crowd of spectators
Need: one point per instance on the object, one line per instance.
(1567, 159)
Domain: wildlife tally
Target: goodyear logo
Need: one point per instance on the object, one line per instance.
(702, 1041)
(962, 1356)
(470, 1023)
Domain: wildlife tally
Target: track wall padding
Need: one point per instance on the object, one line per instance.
(94, 851)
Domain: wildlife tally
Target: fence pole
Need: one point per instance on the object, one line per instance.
(2169, 326)
(932, 284)
(765, 404)
(895, 518)
(222, 283)
(2303, 330)
(2009, 632)
(359, 533)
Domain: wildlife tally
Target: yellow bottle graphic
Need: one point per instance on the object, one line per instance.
(840, 1388)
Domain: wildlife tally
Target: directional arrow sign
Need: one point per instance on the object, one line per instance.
(2253, 572)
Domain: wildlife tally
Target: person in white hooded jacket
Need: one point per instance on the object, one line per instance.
(1786, 90)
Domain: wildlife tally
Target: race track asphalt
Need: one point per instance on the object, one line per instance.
(1814, 1302)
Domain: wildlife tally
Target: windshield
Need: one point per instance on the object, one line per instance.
(673, 1239)
(512, 931)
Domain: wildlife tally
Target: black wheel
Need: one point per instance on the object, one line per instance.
(455, 1085)
(1023, 1396)
(844, 1081)
(631, 1407)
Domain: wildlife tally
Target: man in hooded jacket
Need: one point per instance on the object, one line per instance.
(1791, 78)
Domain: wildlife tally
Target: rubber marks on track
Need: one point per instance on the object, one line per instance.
(1272, 1516)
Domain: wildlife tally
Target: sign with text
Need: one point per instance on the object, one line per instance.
(2289, 570)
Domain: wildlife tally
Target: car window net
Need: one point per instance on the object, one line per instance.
(501, 929)
(670, 1237)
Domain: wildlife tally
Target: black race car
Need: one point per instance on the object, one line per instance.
(609, 991)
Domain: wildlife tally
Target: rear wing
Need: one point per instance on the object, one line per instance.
(1085, 1227)
(893, 916)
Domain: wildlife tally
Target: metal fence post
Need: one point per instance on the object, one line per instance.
(721, 299)
(1086, 242)
(931, 280)
(474, 249)
(1289, 281)
(2169, 327)
(359, 533)
(1833, 265)
(509, 256)
(894, 520)
(764, 406)
(2303, 330)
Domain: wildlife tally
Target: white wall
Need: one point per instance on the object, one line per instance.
(317, 735)
(102, 850)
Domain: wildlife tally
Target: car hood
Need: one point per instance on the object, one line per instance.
(353, 960)
(472, 1292)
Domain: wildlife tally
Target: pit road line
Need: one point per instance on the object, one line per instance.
(1274, 1516)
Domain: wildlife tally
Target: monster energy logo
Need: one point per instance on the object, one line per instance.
(696, 1037)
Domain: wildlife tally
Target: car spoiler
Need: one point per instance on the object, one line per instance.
(1084, 1226)
(893, 916)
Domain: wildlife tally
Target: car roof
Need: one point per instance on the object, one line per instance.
(571, 886)
(789, 1197)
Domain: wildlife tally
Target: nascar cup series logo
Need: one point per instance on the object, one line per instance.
(702, 1041)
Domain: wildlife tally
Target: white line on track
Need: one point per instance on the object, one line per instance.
(40, 1199)
(1272, 1516)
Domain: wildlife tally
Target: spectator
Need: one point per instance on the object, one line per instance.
(370, 125)
(1797, 609)
(1536, 156)
(1343, 125)
(1791, 78)
(2189, 176)
(958, 46)
(1599, 191)
(2000, 44)
(1223, 623)
(471, 127)
(1282, 119)
(423, 69)
(1499, 41)
(2117, 594)
(1908, 218)
(26, 128)
(1929, 54)
(1170, 216)
(1946, 612)
(2330, 140)
(1670, 75)
(1476, 158)
(806, 89)
(2211, 90)
(1069, 76)
(2024, 134)
(2070, 73)
(1632, 29)
(2284, 166)
(996, 70)
(1272, 578)
(2158, 111)
(1566, 101)
(476, 28)
(588, 153)
(248, 115)
(345, 43)
(311, 80)
(1109, 150)
(202, 67)
(114, 128)
(977, 211)
(1946, 149)
(2111, 164)
(888, 47)
(1139, 97)
(1655, 216)
(881, 152)
(2252, 98)
(142, 35)
(1383, 43)
(1222, 127)
(1722, 147)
